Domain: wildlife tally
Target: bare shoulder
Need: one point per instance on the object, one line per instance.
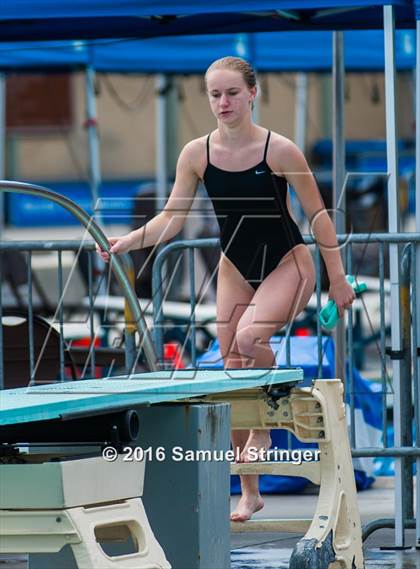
(284, 155)
(193, 155)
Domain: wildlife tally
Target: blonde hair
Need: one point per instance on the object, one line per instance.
(235, 64)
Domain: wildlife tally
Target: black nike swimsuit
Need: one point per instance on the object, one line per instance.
(256, 230)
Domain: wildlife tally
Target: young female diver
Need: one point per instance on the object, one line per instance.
(266, 273)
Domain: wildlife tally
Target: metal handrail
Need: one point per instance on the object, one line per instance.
(99, 237)
(182, 245)
(157, 288)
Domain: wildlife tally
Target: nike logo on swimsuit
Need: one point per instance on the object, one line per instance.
(259, 172)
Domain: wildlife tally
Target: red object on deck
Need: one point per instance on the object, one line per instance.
(303, 332)
(172, 355)
(86, 343)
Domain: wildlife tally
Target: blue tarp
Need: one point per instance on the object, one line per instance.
(283, 51)
(49, 19)
(116, 203)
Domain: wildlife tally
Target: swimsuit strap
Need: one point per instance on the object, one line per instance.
(266, 146)
(208, 148)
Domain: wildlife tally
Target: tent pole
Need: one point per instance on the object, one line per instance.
(162, 87)
(2, 146)
(338, 199)
(94, 167)
(394, 261)
(301, 110)
(161, 146)
(416, 401)
(93, 143)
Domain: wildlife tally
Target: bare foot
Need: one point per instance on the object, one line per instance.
(246, 507)
(258, 442)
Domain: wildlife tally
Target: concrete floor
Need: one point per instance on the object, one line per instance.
(272, 551)
(271, 556)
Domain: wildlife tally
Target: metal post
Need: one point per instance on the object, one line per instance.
(162, 85)
(94, 169)
(406, 379)
(338, 202)
(301, 109)
(2, 144)
(93, 142)
(326, 104)
(172, 127)
(394, 259)
(418, 267)
(166, 158)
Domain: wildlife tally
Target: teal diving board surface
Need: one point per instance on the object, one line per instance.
(61, 400)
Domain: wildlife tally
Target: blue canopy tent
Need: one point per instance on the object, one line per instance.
(47, 19)
(269, 52)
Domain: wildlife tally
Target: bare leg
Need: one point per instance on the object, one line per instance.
(251, 500)
(268, 312)
(246, 321)
(233, 297)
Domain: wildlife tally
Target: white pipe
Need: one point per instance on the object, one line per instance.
(161, 146)
(339, 201)
(417, 91)
(301, 110)
(394, 257)
(93, 141)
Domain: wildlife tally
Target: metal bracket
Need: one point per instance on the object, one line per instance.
(394, 354)
(275, 392)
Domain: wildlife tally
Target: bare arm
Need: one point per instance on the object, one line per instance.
(166, 224)
(171, 219)
(294, 166)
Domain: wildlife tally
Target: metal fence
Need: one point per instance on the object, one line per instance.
(55, 318)
(26, 356)
(365, 331)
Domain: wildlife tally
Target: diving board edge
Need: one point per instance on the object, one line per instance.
(49, 402)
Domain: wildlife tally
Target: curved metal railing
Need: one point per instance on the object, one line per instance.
(117, 265)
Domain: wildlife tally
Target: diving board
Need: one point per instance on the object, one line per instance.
(58, 400)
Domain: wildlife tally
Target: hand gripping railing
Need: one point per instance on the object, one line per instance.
(134, 316)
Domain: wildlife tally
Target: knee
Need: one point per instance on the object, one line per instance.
(247, 339)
